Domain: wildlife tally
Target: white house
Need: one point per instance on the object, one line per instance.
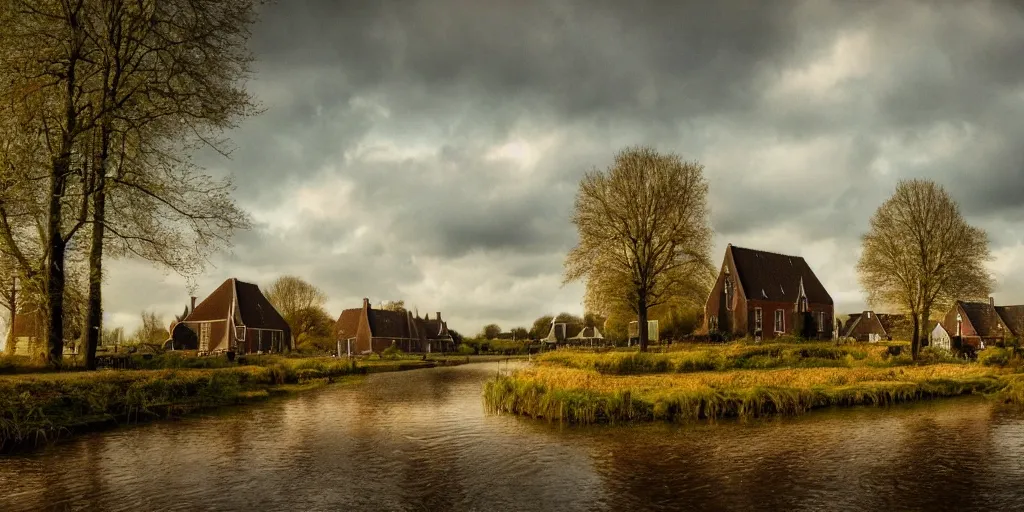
(939, 337)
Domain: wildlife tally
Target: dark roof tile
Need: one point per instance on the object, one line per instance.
(776, 277)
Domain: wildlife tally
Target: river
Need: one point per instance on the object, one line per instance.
(422, 440)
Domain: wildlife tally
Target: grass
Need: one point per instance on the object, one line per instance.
(582, 396)
(731, 356)
(41, 407)
(741, 380)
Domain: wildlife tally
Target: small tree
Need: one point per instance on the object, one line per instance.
(644, 235)
(394, 305)
(298, 302)
(921, 255)
(541, 327)
(521, 333)
(491, 331)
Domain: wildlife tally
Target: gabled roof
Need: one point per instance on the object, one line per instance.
(557, 333)
(776, 277)
(588, 333)
(984, 318)
(1013, 317)
(390, 324)
(253, 308)
(348, 323)
(859, 323)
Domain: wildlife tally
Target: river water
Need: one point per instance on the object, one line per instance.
(422, 440)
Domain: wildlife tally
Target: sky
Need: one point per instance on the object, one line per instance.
(431, 151)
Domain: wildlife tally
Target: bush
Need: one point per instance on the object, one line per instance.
(392, 352)
(994, 356)
(466, 350)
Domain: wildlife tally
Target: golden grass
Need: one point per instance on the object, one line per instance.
(585, 396)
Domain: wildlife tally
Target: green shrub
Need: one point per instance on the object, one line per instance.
(392, 352)
(466, 350)
(994, 356)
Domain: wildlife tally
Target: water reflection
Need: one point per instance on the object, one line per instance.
(422, 441)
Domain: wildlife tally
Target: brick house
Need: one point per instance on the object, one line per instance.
(865, 326)
(236, 317)
(374, 330)
(981, 323)
(765, 295)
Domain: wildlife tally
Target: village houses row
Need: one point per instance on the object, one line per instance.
(764, 295)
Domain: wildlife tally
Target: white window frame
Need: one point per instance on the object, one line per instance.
(821, 321)
(758, 320)
(204, 337)
(242, 337)
(780, 317)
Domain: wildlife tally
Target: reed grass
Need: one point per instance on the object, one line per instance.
(38, 408)
(575, 395)
(730, 356)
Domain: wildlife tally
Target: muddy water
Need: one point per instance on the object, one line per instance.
(422, 440)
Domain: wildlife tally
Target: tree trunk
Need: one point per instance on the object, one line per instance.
(915, 340)
(642, 327)
(55, 270)
(9, 346)
(925, 334)
(94, 309)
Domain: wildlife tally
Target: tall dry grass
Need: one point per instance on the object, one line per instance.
(581, 396)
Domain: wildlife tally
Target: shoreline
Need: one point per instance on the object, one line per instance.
(734, 381)
(42, 409)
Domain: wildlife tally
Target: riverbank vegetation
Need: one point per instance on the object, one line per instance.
(743, 379)
(36, 408)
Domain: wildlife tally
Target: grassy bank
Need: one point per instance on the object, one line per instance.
(733, 356)
(738, 380)
(39, 408)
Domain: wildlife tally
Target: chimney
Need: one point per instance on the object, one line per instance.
(366, 303)
(193, 308)
(438, 316)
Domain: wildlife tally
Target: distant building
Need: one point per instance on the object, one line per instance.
(765, 295)
(865, 326)
(558, 334)
(940, 338)
(981, 323)
(236, 317)
(29, 332)
(366, 330)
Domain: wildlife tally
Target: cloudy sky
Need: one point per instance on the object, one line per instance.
(430, 151)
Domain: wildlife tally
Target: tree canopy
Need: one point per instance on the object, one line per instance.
(644, 235)
(920, 254)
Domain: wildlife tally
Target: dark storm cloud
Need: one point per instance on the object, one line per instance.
(384, 118)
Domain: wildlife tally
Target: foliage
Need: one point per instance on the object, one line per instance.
(541, 327)
(644, 235)
(921, 255)
(394, 305)
(392, 352)
(490, 332)
(302, 306)
(580, 396)
(151, 330)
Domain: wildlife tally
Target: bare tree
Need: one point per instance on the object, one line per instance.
(644, 235)
(152, 330)
(921, 255)
(297, 301)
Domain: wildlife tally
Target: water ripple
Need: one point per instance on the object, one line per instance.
(423, 441)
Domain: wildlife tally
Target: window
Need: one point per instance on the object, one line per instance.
(204, 337)
(959, 325)
(821, 321)
(780, 321)
(728, 293)
(240, 332)
(713, 323)
(757, 320)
